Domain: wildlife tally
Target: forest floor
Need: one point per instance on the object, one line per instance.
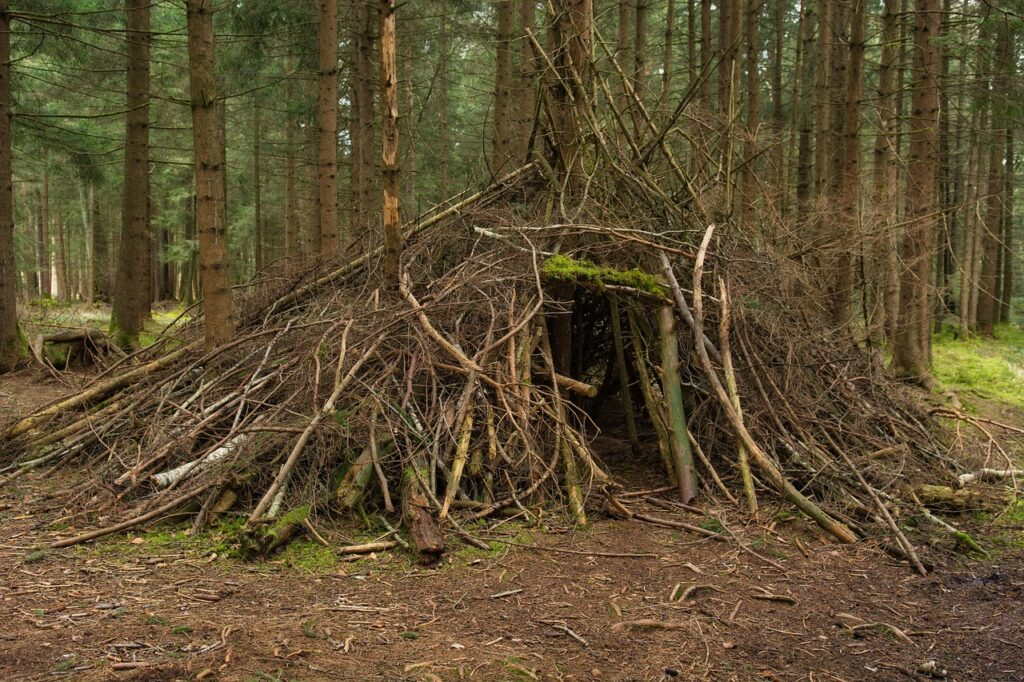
(619, 601)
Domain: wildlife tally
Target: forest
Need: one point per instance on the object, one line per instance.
(690, 313)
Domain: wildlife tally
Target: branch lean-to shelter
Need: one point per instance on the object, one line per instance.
(605, 280)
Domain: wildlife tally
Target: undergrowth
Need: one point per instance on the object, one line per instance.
(988, 368)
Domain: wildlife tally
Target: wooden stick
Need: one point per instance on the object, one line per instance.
(97, 392)
(734, 394)
(620, 363)
(461, 450)
(839, 530)
(675, 421)
(131, 523)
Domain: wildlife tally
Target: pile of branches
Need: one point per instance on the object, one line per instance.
(470, 387)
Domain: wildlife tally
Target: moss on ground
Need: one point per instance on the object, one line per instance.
(992, 369)
(565, 269)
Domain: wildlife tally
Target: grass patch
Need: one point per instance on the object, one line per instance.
(308, 556)
(988, 368)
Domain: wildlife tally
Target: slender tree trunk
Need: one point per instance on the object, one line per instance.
(442, 101)
(804, 103)
(10, 345)
(85, 198)
(624, 50)
(667, 57)
(60, 239)
(910, 352)
(729, 19)
(884, 169)
(363, 165)
(753, 11)
(389, 145)
(208, 149)
(406, 64)
(706, 55)
(989, 289)
(850, 193)
(640, 49)
(131, 288)
(291, 197)
(327, 120)
(1006, 300)
(257, 198)
(501, 150)
(525, 100)
(45, 273)
(822, 110)
(778, 14)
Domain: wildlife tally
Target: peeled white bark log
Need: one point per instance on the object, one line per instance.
(172, 476)
(989, 474)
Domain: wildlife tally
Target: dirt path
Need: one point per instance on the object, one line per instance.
(621, 601)
(125, 610)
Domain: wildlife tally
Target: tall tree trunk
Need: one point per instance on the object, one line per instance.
(60, 240)
(729, 19)
(291, 197)
(406, 64)
(327, 123)
(502, 146)
(884, 171)
(525, 100)
(389, 145)
(989, 289)
(911, 356)
(706, 55)
(442, 102)
(753, 11)
(257, 198)
(100, 248)
(208, 149)
(131, 287)
(850, 193)
(667, 56)
(624, 50)
(1009, 254)
(85, 199)
(822, 110)
(804, 102)
(363, 167)
(45, 274)
(640, 49)
(10, 346)
(778, 15)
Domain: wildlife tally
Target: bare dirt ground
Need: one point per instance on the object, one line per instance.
(620, 601)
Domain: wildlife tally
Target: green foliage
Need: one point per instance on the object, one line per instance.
(989, 368)
(34, 557)
(562, 268)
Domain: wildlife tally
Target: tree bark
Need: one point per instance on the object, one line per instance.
(363, 167)
(640, 50)
(624, 50)
(257, 198)
(442, 102)
(850, 192)
(291, 199)
(525, 100)
(10, 345)
(45, 273)
(327, 120)
(911, 355)
(208, 149)
(501, 149)
(389, 145)
(1006, 299)
(131, 286)
(989, 286)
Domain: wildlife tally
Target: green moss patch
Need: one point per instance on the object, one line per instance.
(560, 268)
